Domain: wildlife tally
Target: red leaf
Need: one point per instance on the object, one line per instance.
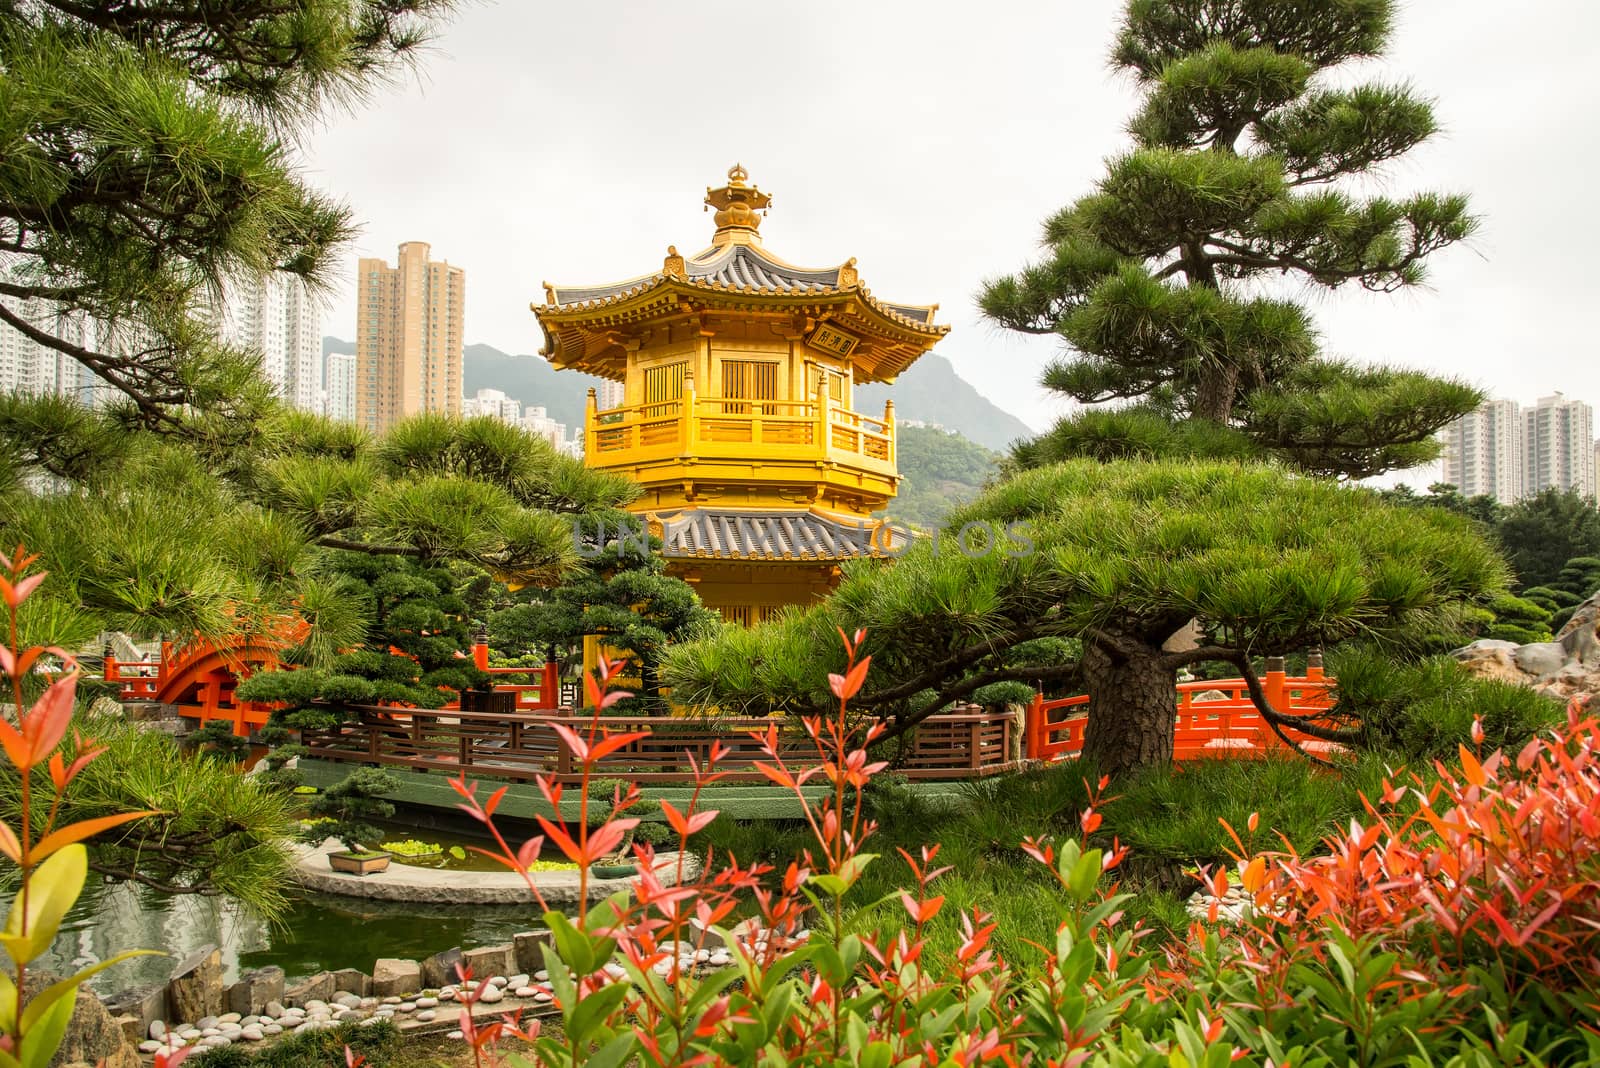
(613, 697)
(580, 748)
(530, 851)
(1471, 768)
(494, 801)
(77, 832)
(686, 825)
(612, 742)
(9, 844)
(46, 723)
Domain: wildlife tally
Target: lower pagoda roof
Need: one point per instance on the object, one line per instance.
(706, 533)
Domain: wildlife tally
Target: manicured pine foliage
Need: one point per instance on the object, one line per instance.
(1250, 153)
(1109, 561)
(349, 804)
(622, 594)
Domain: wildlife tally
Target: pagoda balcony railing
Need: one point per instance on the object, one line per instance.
(729, 428)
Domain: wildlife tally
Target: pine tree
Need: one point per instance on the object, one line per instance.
(1246, 166)
(1107, 561)
(622, 595)
(150, 157)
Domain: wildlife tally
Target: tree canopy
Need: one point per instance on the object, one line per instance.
(149, 158)
(1089, 571)
(1249, 163)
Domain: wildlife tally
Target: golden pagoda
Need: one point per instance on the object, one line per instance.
(738, 371)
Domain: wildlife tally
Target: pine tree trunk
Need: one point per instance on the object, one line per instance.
(1213, 400)
(1132, 703)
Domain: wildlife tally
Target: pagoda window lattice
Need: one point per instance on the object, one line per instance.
(663, 388)
(749, 380)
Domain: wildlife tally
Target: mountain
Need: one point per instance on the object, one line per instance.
(930, 392)
(939, 470)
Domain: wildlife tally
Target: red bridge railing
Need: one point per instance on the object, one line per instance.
(1215, 718)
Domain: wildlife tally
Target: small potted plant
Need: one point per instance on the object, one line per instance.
(349, 805)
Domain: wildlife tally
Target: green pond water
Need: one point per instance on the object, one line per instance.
(320, 932)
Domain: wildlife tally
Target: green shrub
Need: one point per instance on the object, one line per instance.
(379, 1043)
(1425, 710)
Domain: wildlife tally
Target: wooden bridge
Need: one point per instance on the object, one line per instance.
(964, 744)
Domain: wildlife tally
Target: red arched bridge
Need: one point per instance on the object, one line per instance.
(509, 733)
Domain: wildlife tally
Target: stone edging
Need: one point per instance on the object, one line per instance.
(404, 882)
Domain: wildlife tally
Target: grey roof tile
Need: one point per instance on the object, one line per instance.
(764, 536)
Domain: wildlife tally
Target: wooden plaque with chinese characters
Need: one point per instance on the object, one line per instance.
(830, 339)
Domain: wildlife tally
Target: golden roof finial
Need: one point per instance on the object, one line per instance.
(737, 205)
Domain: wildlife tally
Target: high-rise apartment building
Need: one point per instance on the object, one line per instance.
(339, 395)
(408, 337)
(275, 318)
(28, 366)
(1558, 446)
(1483, 454)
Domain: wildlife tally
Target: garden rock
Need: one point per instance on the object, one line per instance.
(391, 975)
(92, 1036)
(439, 970)
(1564, 669)
(148, 1003)
(527, 947)
(318, 987)
(353, 980)
(488, 961)
(195, 989)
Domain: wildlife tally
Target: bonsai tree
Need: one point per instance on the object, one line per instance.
(621, 594)
(1253, 160)
(1110, 560)
(349, 804)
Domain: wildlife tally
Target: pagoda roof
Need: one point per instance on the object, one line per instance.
(737, 274)
(740, 269)
(771, 535)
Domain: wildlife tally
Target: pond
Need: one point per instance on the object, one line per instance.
(320, 932)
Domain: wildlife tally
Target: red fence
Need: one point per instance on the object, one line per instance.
(199, 677)
(1215, 718)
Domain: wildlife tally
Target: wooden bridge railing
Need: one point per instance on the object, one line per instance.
(957, 745)
(1208, 726)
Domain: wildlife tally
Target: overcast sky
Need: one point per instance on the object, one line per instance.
(573, 142)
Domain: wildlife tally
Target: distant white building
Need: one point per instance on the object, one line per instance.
(536, 421)
(493, 403)
(1508, 452)
(339, 394)
(1558, 446)
(609, 394)
(276, 319)
(29, 366)
(1483, 454)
